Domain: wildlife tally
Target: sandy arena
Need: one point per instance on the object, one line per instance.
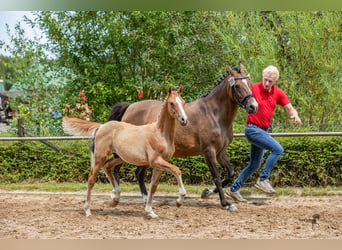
(30, 215)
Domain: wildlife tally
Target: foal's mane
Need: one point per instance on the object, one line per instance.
(162, 107)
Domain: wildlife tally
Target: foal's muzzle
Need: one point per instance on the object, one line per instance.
(183, 120)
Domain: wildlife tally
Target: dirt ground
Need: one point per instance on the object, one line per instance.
(29, 215)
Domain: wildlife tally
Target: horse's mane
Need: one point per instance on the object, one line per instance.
(220, 80)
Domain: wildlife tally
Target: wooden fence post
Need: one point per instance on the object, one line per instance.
(20, 127)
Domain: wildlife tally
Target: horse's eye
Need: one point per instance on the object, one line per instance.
(171, 104)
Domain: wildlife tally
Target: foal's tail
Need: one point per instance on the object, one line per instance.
(75, 126)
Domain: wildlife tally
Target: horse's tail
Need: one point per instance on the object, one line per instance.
(76, 126)
(117, 111)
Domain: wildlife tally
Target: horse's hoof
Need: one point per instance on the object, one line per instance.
(231, 208)
(88, 213)
(205, 193)
(180, 200)
(113, 202)
(152, 215)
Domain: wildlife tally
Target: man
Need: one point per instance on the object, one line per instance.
(268, 96)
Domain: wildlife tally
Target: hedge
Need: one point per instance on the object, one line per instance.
(307, 161)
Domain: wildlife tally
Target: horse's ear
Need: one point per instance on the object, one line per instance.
(242, 68)
(169, 90)
(180, 90)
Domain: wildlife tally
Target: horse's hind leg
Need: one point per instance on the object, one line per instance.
(114, 180)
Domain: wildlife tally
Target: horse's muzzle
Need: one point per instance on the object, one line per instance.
(252, 106)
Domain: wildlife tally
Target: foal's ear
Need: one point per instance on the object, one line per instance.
(180, 90)
(169, 90)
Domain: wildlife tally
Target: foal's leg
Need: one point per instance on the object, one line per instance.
(181, 190)
(108, 166)
(153, 187)
(166, 166)
(140, 174)
(91, 182)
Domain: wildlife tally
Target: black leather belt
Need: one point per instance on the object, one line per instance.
(252, 124)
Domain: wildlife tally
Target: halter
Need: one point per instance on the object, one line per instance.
(244, 101)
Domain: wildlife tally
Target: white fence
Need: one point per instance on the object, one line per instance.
(55, 138)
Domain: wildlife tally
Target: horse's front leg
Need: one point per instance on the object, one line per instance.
(114, 179)
(225, 163)
(210, 158)
(223, 160)
(153, 187)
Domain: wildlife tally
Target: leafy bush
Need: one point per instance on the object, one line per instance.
(307, 161)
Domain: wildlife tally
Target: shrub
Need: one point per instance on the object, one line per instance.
(307, 161)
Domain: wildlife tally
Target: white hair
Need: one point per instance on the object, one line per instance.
(272, 71)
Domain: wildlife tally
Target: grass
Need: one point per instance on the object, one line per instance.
(163, 188)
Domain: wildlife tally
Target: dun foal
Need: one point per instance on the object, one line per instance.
(151, 144)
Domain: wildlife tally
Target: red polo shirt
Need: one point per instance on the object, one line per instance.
(267, 102)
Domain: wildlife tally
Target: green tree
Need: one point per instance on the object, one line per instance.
(115, 54)
(303, 45)
(41, 83)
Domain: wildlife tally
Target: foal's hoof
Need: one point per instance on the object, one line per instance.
(180, 201)
(205, 193)
(87, 213)
(231, 208)
(152, 215)
(113, 202)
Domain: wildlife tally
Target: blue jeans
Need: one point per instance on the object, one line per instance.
(259, 140)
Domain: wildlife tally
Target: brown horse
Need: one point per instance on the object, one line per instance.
(210, 130)
(151, 144)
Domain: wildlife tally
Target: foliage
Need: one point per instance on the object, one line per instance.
(34, 161)
(114, 55)
(306, 162)
(303, 46)
(39, 82)
(6, 71)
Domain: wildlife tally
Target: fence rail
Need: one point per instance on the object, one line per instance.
(48, 138)
(56, 138)
(295, 134)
